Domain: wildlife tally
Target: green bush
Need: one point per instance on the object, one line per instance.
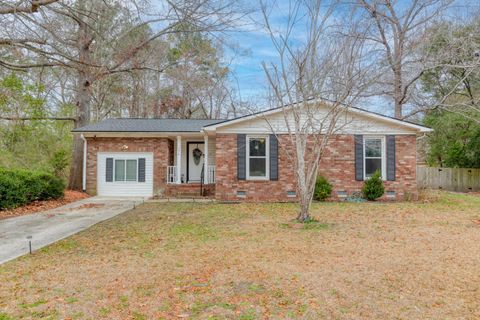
(13, 189)
(323, 189)
(59, 162)
(19, 187)
(373, 187)
(53, 186)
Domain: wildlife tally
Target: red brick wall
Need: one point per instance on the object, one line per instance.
(337, 165)
(160, 147)
(227, 183)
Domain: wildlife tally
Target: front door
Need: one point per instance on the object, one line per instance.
(195, 156)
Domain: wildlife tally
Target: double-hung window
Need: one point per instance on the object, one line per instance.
(125, 170)
(257, 157)
(374, 156)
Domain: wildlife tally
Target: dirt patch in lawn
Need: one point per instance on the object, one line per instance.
(36, 206)
(250, 261)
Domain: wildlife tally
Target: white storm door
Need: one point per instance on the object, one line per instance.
(195, 158)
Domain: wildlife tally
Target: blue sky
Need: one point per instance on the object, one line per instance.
(248, 73)
(256, 47)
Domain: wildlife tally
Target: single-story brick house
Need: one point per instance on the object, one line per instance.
(240, 159)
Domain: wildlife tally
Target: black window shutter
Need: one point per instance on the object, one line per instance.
(273, 157)
(109, 170)
(141, 169)
(391, 158)
(358, 157)
(241, 157)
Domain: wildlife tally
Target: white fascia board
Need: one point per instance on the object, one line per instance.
(353, 110)
(390, 120)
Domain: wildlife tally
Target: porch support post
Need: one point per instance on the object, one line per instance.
(205, 160)
(179, 159)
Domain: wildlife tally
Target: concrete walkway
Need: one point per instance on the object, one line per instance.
(50, 226)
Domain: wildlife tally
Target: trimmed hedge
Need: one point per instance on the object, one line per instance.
(373, 187)
(19, 187)
(323, 189)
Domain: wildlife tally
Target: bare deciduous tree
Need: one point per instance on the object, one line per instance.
(398, 30)
(95, 40)
(314, 82)
(452, 83)
(26, 6)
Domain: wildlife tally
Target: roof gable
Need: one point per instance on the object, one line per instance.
(355, 120)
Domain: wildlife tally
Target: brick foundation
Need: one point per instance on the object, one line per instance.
(337, 165)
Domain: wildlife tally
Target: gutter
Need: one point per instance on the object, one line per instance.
(84, 164)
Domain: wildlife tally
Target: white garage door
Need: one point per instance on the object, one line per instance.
(125, 174)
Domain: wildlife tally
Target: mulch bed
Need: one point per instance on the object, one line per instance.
(36, 206)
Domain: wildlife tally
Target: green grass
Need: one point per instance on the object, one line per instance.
(104, 311)
(71, 300)
(4, 316)
(32, 305)
(138, 316)
(249, 314)
(201, 232)
(315, 225)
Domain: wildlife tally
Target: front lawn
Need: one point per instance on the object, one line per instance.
(249, 261)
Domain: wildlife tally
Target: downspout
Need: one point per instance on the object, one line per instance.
(84, 164)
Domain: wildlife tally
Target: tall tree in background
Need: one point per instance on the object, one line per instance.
(455, 141)
(31, 144)
(198, 78)
(87, 39)
(451, 94)
(453, 83)
(398, 30)
(314, 81)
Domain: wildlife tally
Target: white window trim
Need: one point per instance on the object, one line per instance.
(384, 157)
(267, 157)
(125, 171)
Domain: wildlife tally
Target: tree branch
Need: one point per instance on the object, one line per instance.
(33, 7)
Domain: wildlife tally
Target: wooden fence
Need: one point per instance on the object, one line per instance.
(453, 179)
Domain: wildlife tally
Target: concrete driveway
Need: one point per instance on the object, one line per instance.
(50, 226)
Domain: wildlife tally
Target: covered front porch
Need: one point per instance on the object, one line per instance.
(192, 160)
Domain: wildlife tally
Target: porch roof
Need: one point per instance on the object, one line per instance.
(147, 125)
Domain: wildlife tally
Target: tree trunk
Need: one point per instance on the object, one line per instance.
(83, 101)
(304, 213)
(83, 118)
(397, 82)
(303, 188)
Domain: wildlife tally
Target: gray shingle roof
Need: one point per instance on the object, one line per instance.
(147, 125)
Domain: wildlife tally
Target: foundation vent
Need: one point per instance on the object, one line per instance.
(241, 194)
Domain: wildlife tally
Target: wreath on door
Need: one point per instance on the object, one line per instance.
(197, 154)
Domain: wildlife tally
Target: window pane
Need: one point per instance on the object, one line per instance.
(131, 170)
(257, 147)
(119, 170)
(258, 167)
(372, 165)
(373, 148)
